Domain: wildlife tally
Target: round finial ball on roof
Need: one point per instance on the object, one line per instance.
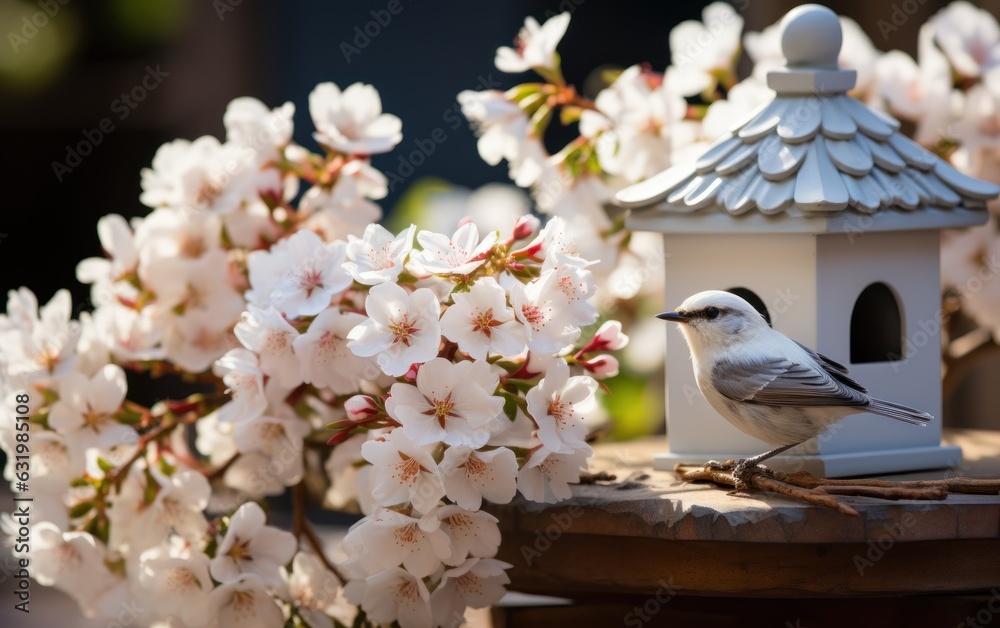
(811, 36)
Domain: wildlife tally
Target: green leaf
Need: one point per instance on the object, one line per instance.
(81, 509)
(104, 465)
(167, 468)
(522, 91)
(510, 407)
(128, 416)
(569, 114)
(540, 120)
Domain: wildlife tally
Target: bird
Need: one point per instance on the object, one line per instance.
(765, 383)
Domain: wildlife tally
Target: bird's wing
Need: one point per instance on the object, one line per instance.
(836, 370)
(777, 381)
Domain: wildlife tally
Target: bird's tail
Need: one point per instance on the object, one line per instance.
(899, 412)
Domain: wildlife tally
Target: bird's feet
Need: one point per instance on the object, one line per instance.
(743, 471)
(722, 466)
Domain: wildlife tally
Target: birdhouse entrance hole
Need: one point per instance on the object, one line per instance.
(876, 326)
(751, 297)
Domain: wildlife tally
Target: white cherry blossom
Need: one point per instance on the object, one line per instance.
(699, 51)
(921, 93)
(122, 258)
(87, 406)
(393, 595)
(39, 343)
(71, 561)
(250, 547)
(177, 586)
(268, 334)
(378, 257)
(241, 373)
(459, 255)
(177, 508)
(203, 175)
(313, 589)
(392, 539)
(536, 46)
(575, 284)
(450, 403)
(358, 179)
(476, 583)
(403, 472)
(558, 405)
(335, 217)
(351, 121)
(481, 322)
(969, 36)
(471, 476)
(279, 439)
(502, 125)
(472, 533)
(314, 274)
(402, 328)
(324, 357)
(242, 602)
(251, 125)
(539, 306)
(647, 125)
(546, 476)
(978, 127)
(54, 459)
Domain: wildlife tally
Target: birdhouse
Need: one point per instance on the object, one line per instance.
(822, 215)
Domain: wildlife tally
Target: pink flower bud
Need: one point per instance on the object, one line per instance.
(526, 226)
(603, 366)
(608, 338)
(411, 374)
(360, 407)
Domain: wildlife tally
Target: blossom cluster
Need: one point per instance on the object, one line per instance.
(451, 369)
(646, 120)
(450, 358)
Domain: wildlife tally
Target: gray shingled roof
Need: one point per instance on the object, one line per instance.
(811, 149)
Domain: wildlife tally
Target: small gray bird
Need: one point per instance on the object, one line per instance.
(765, 383)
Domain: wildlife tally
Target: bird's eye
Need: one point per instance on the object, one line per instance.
(712, 312)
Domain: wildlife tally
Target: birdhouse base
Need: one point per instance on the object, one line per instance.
(838, 465)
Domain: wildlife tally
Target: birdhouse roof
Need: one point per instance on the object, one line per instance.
(813, 159)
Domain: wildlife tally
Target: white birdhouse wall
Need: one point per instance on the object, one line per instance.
(906, 262)
(810, 285)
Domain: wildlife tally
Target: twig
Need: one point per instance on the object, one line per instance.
(299, 509)
(317, 545)
(950, 485)
(760, 481)
(821, 491)
(211, 474)
(301, 526)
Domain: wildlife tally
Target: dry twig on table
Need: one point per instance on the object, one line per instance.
(820, 491)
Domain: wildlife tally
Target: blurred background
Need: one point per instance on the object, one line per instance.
(125, 76)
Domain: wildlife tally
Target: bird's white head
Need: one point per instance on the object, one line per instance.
(715, 319)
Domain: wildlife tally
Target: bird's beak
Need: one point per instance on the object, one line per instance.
(675, 317)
